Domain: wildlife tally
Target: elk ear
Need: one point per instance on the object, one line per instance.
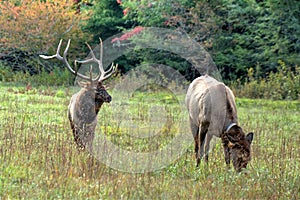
(249, 137)
(230, 144)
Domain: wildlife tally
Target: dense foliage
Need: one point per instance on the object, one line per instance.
(239, 34)
(29, 28)
(106, 20)
(257, 34)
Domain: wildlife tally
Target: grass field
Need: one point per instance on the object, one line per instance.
(39, 160)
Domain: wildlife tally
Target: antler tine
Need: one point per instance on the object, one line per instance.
(101, 76)
(101, 49)
(64, 59)
(66, 50)
(55, 55)
(68, 65)
(99, 62)
(91, 73)
(111, 71)
(93, 59)
(112, 67)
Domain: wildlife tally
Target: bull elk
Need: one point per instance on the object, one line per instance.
(212, 112)
(85, 105)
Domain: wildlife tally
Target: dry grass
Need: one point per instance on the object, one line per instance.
(39, 159)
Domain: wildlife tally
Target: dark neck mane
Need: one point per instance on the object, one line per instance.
(98, 104)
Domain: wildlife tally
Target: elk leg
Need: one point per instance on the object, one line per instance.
(76, 136)
(76, 133)
(89, 142)
(203, 134)
(196, 139)
(197, 149)
(195, 132)
(207, 146)
(78, 139)
(227, 155)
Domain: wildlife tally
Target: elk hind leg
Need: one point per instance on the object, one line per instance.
(207, 146)
(195, 132)
(202, 137)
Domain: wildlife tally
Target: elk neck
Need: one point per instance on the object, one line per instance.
(87, 106)
(98, 104)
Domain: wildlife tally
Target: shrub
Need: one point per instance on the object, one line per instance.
(55, 77)
(281, 85)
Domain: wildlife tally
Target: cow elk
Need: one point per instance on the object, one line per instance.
(85, 105)
(212, 112)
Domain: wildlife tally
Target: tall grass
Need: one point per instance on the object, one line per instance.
(38, 157)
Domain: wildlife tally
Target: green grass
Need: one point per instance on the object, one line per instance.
(38, 157)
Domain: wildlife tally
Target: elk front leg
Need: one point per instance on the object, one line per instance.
(227, 154)
(78, 139)
(89, 142)
(76, 135)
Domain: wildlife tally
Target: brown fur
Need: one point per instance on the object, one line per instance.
(83, 110)
(237, 146)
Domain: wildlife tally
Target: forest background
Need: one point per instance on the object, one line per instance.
(254, 43)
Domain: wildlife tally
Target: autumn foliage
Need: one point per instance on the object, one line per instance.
(36, 26)
(129, 34)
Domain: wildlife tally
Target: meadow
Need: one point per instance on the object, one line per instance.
(39, 159)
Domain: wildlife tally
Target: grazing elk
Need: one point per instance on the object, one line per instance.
(212, 112)
(85, 105)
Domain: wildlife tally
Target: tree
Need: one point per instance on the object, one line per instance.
(31, 27)
(239, 34)
(256, 34)
(192, 17)
(106, 20)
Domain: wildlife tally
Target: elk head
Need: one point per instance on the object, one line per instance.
(94, 84)
(239, 146)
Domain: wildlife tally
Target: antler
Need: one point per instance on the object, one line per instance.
(103, 74)
(100, 77)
